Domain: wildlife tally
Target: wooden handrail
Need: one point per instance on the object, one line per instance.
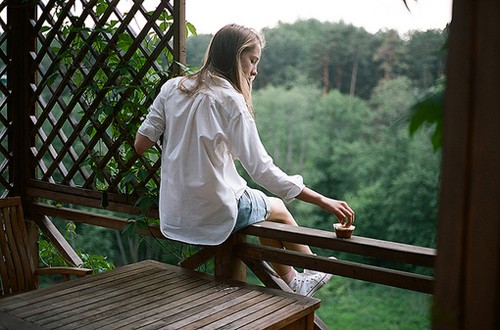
(369, 247)
(248, 252)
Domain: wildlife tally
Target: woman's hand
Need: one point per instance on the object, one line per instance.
(340, 209)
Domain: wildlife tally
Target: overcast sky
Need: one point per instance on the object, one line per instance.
(373, 15)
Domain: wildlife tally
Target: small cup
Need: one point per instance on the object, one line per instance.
(343, 232)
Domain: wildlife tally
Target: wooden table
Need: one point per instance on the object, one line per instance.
(153, 295)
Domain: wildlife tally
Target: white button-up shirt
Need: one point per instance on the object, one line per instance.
(202, 135)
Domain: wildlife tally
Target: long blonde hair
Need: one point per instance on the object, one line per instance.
(223, 57)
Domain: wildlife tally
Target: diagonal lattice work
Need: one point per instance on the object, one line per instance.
(98, 65)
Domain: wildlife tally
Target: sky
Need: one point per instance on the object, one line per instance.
(373, 15)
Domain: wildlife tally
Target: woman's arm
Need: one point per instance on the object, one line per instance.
(340, 209)
(142, 143)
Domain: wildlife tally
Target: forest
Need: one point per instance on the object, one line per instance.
(337, 105)
(334, 103)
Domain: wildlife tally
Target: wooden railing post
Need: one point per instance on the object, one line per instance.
(20, 76)
(226, 264)
(179, 37)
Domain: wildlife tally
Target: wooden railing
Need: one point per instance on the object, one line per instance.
(231, 257)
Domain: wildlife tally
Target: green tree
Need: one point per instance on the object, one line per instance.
(426, 56)
(286, 56)
(399, 199)
(196, 45)
(389, 54)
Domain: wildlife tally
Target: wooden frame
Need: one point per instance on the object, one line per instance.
(18, 268)
(467, 266)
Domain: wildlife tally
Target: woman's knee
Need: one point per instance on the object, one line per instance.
(279, 211)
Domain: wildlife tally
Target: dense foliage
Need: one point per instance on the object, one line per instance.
(341, 56)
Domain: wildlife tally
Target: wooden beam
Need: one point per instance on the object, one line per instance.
(199, 258)
(91, 218)
(467, 292)
(226, 263)
(396, 278)
(55, 236)
(20, 75)
(179, 25)
(84, 197)
(359, 245)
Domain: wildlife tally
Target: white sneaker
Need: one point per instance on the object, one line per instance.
(307, 284)
(310, 271)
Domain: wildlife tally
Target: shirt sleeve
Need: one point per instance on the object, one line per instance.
(246, 146)
(154, 124)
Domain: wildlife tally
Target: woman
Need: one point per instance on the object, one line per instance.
(206, 120)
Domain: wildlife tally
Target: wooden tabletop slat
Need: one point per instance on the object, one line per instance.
(109, 297)
(93, 292)
(153, 295)
(201, 314)
(174, 311)
(62, 289)
(140, 310)
(247, 313)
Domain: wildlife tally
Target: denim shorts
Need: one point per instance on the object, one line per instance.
(253, 207)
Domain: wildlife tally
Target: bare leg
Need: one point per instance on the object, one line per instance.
(279, 213)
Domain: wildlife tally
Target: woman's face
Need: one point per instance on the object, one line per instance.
(249, 60)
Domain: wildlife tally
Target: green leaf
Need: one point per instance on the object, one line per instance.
(191, 28)
(101, 8)
(428, 110)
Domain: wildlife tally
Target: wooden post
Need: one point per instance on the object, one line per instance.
(226, 265)
(467, 291)
(179, 25)
(20, 75)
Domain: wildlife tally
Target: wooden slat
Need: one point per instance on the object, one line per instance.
(400, 279)
(360, 245)
(140, 305)
(91, 218)
(84, 197)
(8, 322)
(6, 264)
(61, 244)
(199, 258)
(57, 292)
(20, 266)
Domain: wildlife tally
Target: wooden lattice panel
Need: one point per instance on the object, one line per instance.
(99, 65)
